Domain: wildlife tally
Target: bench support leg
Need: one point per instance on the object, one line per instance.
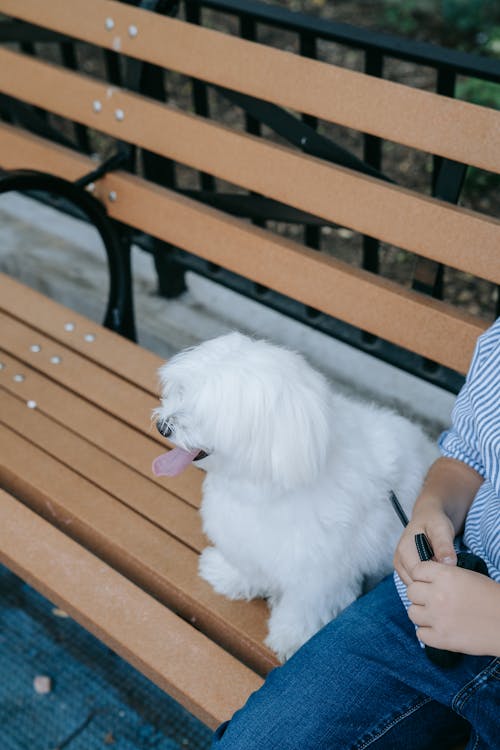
(171, 276)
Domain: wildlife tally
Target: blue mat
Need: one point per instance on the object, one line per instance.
(96, 700)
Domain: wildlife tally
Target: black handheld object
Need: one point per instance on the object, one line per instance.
(466, 560)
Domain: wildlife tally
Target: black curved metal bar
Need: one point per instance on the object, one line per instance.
(119, 315)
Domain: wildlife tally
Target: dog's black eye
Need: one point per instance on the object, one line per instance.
(164, 428)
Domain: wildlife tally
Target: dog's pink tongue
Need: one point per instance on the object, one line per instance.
(172, 463)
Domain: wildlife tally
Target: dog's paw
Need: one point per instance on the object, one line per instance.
(222, 576)
(288, 630)
(283, 646)
(286, 642)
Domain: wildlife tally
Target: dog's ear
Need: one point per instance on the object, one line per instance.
(298, 432)
(169, 375)
(164, 376)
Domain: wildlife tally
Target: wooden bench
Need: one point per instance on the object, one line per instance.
(82, 517)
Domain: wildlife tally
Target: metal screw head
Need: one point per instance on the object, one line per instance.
(19, 378)
(303, 140)
(56, 360)
(112, 196)
(96, 105)
(89, 337)
(132, 31)
(35, 348)
(69, 326)
(119, 115)
(31, 404)
(110, 24)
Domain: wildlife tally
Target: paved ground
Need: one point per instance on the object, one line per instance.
(97, 701)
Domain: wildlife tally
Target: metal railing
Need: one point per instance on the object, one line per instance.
(247, 18)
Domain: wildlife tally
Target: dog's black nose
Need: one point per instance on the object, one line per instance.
(163, 429)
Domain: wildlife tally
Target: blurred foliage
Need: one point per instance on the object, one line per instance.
(469, 25)
(479, 92)
(485, 94)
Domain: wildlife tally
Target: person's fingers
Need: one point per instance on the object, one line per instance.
(417, 593)
(425, 634)
(403, 567)
(419, 616)
(404, 575)
(441, 536)
(406, 557)
(425, 571)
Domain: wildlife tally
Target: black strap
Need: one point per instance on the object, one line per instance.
(424, 549)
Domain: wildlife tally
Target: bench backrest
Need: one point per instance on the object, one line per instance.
(431, 228)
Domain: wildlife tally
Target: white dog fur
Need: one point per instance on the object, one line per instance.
(296, 492)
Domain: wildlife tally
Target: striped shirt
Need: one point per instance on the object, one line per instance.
(474, 438)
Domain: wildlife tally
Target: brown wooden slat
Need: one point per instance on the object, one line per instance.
(152, 559)
(59, 441)
(180, 660)
(20, 149)
(374, 304)
(396, 215)
(392, 214)
(113, 352)
(131, 406)
(428, 327)
(129, 446)
(426, 121)
(75, 372)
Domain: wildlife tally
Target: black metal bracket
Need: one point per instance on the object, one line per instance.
(299, 133)
(116, 161)
(20, 31)
(149, 80)
(29, 117)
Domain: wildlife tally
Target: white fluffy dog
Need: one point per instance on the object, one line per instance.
(296, 494)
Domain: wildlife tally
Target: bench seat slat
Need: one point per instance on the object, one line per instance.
(392, 214)
(131, 447)
(113, 352)
(77, 373)
(160, 564)
(180, 660)
(58, 440)
(82, 378)
(384, 108)
(411, 320)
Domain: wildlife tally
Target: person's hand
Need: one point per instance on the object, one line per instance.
(455, 609)
(439, 512)
(440, 532)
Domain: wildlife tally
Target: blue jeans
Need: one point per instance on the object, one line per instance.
(364, 682)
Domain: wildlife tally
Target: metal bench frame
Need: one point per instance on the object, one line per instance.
(172, 263)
